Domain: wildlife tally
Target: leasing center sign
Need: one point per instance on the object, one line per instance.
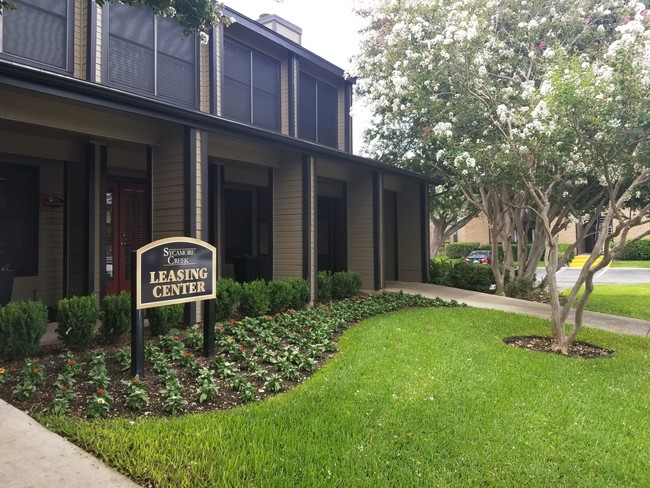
(175, 270)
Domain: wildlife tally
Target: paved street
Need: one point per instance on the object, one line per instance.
(619, 276)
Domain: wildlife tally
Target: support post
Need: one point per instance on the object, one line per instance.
(137, 324)
(208, 327)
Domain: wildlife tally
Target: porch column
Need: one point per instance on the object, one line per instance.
(195, 197)
(309, 252)
(378, 228)
(424, 226)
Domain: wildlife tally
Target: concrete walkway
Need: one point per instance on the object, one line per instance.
(32, 456)
(612, 323)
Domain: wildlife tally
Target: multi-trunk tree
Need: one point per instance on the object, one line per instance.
(538, 111)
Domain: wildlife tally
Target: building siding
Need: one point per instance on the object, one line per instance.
(168, 189)
(360, 227)
(409, 232)
(287, 221)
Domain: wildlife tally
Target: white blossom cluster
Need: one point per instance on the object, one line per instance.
(553, 87)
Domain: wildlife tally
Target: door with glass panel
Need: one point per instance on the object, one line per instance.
(126, 231)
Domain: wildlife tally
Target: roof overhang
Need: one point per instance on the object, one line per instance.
(64, 86)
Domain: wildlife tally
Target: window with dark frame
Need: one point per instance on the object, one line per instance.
(19, 192)
(39, 32)
(151, 55)
(251, 86)
(317, 111)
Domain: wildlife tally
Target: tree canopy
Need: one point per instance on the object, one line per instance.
(538, 111)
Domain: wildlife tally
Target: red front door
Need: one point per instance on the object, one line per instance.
(126, 231)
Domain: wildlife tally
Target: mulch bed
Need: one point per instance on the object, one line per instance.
(52, 363)
(544, 344)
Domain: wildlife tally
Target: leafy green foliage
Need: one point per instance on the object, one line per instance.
(77, 318)
(116, 316)
(459, 250)
(636, 251)
(280, 295)
(345, 284)
(324, 286)
(254, 299)
(22, 324)
(228, 294)
(162, 319)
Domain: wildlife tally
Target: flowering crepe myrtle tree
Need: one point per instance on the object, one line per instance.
(535, 109)
(195, 16)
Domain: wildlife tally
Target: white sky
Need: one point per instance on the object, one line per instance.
(329, 29)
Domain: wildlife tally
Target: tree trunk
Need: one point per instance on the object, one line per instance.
(560, 343)
(437, 237)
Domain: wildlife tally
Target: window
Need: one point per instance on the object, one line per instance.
(39, 31)
(150, 55)
(317, 111)
(251, 87)
(19, 218)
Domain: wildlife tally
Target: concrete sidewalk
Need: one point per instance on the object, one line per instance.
(33, 456)
(612, 323)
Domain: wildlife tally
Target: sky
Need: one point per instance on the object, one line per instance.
(329, 29)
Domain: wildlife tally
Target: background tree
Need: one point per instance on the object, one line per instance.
(195, 16)
(534, 109)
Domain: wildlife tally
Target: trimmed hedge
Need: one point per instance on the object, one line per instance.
(22, 324)
(77, 318)
(255, 299)
(228, 295)
(162, 319)
(458, 250)
(636, 251)
(339, 285)
(467, 276)
(116, 317)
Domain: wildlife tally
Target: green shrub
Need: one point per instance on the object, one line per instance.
(636, 251)
(22, 324)
(77, 317)
(520, 287)
(228, 294)
(162, 319)
(476, 277)
(345, 284)
(439, 271)
(116, 316)
(324, 285)
(299, 293)
(254, 299)
(458, 250)
(280, 295)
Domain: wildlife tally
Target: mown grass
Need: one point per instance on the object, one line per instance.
(630, 264)
(424, 397)
(624, 300)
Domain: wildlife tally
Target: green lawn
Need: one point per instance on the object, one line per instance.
(425, 397)
(630, 264)
(623, 300)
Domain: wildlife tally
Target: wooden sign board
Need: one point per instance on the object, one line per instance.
(175, 270)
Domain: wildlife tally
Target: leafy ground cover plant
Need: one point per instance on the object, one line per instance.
(255, 358)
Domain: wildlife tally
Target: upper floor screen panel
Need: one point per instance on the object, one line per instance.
(317, 111)
(39, 32)
(150, 55)
(251, 86)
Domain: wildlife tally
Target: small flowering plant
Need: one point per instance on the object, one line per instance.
(4, 376)
(136, 397)
(99, 404)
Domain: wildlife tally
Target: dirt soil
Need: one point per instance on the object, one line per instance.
(544, 344)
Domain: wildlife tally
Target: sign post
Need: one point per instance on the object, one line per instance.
(169, 271)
